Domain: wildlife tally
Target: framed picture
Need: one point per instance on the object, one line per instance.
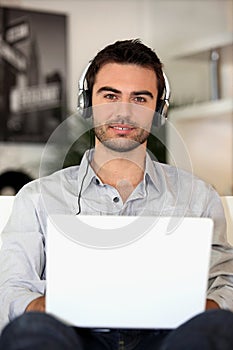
(32, 74)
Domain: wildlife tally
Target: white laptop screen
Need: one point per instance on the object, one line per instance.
(154, 280)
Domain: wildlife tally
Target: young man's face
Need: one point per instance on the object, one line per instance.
(124, 101)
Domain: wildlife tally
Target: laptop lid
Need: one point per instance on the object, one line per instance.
(154, 275)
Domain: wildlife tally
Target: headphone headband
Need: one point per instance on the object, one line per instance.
(84, 99)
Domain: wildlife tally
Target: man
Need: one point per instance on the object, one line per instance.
(117, 177)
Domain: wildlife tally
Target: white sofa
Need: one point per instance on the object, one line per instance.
(227, 202)
(6, 203)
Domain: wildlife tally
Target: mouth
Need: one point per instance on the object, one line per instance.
(121, 129)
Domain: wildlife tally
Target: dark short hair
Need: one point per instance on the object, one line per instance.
(127, 52)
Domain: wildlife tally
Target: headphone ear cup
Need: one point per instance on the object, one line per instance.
(160, 114)
(84, 104)
(162, 105)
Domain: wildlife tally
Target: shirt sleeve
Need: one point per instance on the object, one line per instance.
(220, 287)
(22, 257)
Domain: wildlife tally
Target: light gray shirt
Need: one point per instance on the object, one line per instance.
(164, 191)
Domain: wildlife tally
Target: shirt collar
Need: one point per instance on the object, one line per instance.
(87, 175)
(150, 171)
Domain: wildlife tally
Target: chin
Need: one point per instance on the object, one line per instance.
(120, 145)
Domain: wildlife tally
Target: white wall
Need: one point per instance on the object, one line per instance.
(165, 25)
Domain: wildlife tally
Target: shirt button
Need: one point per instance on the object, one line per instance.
(116, 199)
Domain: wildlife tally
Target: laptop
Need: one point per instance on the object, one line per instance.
(127, 272)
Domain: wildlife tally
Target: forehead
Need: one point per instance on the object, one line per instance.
(131, 75)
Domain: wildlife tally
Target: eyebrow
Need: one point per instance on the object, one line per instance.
(143, 92)
(108, 88)
(134, 93)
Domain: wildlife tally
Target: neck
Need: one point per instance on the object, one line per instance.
(122, 170)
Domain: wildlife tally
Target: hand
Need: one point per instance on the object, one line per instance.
(210, 304)
(37, 304)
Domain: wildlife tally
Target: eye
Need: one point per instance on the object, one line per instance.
(110, 97)
(139, 99)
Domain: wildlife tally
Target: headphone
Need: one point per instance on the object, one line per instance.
(84, 100)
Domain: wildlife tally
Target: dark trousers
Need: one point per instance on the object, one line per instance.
(211, 330)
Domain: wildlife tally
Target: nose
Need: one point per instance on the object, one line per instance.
(123, 109)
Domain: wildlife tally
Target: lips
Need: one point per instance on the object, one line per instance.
(122, 129)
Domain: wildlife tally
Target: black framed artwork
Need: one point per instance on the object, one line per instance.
(32, 74)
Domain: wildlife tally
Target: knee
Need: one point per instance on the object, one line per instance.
(214, 318)
(214, 321)
(209, 330)
(34, 330)
(30, 322)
